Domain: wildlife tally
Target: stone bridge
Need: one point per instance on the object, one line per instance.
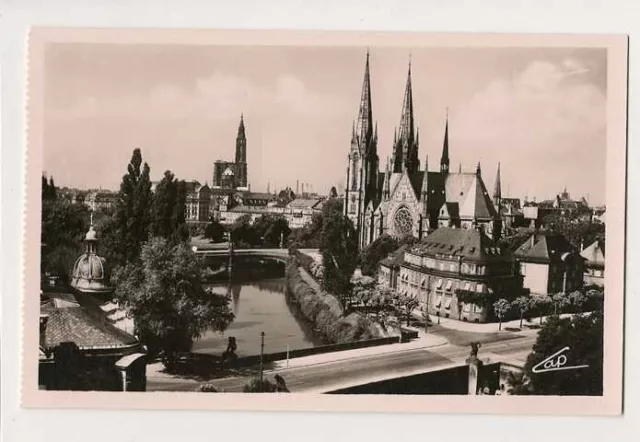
(278, 254)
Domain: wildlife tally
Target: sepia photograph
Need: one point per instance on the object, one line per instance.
(325, 213)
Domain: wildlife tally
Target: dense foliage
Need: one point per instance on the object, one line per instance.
(214, 231)
(339, 245)
(63, 228)
(578, 230)
(379, 249)
(168, 215)
(310, 236)
(164, 295)
(583, 334)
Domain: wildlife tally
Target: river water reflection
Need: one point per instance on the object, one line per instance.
(259, 306)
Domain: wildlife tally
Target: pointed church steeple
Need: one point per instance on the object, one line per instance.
(444, 161)
(364, 126)
(241, 154)
(425, 179)
(405, 148)
(386, 187)
(497, 191)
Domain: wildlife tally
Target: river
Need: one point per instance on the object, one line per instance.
(259, 306)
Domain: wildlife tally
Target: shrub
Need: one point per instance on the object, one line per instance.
(255, 386)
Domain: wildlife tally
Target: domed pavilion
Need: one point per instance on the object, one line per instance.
(90, 272)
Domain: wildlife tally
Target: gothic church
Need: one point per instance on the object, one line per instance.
(405, 200)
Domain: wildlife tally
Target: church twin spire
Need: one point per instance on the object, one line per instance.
(405, 147)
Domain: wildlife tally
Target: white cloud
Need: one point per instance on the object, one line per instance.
(543, 103)
(220, 96)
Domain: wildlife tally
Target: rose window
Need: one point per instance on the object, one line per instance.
(403, 222)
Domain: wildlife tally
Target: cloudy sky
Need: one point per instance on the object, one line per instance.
(540, 112)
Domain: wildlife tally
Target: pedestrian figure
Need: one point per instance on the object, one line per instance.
(281, 386)
(230, 353)
(500, 391)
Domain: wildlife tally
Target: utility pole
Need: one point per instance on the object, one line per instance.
(261, 359)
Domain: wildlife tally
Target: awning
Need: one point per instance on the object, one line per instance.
(125, 361)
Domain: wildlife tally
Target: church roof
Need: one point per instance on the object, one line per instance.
(468, 190)
(470, 244)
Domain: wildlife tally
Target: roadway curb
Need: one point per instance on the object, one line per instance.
(352, 357)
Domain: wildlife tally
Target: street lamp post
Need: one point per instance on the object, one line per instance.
(261, 358)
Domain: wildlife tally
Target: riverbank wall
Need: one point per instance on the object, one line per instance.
(323, 311)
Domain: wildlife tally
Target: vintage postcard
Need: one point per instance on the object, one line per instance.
(345, 221)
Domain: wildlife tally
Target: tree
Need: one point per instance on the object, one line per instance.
(270, 229)
(49, 191)
(407, 304)
(63, 228)
(333, 193)
(575, 228)
(518, 383)
(577, 300)
(375, 252)
(583, 334)
(214, 231)
(255, 385)
(522, 304)
(515, 240)
(133, 211)
(339, 247)
(542, 304)
(164, 295)
(168, 209)
(559, 301)
(501, 307)
(243, 233)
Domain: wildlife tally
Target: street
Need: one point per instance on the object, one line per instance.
(329, 376)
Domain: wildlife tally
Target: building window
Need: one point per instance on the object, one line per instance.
(466, 308)
(476, 308)
(447, 303)
(480, 288)
(472, 268)
(449, 285)
(452, 267)
(438, 299)
(439, 283)
(467, 286)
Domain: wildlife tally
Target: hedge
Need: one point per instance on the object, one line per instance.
(324, 312)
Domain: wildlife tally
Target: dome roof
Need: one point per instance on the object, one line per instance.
(90, 272)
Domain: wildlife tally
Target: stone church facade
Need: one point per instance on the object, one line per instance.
(406, 199)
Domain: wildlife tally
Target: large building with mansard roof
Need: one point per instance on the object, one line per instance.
(405, 198)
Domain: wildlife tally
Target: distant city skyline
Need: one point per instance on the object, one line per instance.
(539, 112)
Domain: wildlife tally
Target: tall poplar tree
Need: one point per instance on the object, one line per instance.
(133, 210)
(169, 204)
